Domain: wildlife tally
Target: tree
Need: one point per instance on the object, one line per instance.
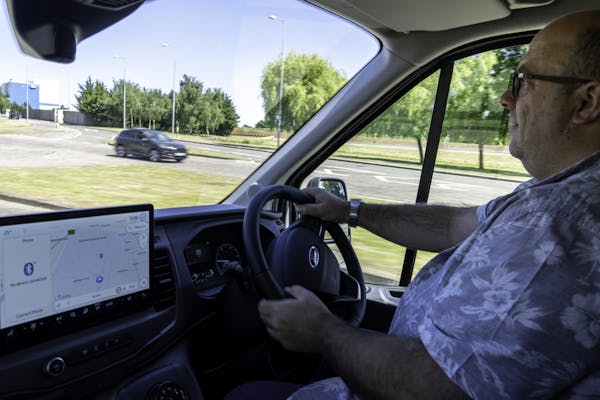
(209, 111)
(309, 82)
(473, 102)
(4, 103)
(155, 107)
(230, 117)
(508, 59)
(410, 116)
(93, 99)
(189, 104)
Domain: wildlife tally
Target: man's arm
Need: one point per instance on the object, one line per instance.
(374, 365)
(417, 226)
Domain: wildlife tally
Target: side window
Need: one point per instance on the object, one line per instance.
(473, 164)
(383, 162)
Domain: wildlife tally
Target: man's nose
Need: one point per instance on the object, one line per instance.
(507, 100)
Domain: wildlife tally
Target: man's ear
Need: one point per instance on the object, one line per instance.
(588, 103)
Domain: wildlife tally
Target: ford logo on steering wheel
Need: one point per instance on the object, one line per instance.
(313, 256)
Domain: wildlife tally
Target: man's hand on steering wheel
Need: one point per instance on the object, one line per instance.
(297, 323)
(327, 206)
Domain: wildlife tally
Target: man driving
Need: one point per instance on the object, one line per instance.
(510, 307)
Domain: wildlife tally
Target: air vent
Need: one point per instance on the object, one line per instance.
(111, 4)
(162, 281)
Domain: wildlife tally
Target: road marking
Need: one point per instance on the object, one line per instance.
(437, 184)
(244, 154)
(224, 151)
(331, 170)
(397, 179)
(64, 135)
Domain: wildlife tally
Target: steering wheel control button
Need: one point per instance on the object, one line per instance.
(55, 367)
(313, 257)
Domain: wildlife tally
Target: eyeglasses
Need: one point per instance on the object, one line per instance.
(516, 79)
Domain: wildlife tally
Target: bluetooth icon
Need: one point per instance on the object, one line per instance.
(28, 269)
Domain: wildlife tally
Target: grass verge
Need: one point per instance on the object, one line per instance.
(22, 126)
(101, 186)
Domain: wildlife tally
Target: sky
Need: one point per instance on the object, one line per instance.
(224, 44)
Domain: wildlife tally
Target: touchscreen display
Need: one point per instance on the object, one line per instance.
(56, 262)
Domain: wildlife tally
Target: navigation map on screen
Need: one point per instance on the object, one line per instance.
(54, 266)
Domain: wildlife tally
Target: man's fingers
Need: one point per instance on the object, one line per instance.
(312, 191)
(306, 208)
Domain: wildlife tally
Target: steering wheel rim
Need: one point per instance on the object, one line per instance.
(262, 276)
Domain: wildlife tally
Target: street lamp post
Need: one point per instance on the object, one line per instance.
(27, 99)
(124, 89)
(173, 108)
(26, 93)
(279, 114)
(68, 103)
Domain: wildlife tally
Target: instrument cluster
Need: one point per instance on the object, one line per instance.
(212, 253)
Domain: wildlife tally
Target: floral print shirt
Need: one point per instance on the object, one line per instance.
(513, 312)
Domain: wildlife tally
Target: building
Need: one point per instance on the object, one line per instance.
(21, 93)
(41, 95)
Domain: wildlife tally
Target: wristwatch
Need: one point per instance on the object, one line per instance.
(354, 210)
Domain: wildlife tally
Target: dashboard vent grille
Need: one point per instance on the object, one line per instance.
(163, 284)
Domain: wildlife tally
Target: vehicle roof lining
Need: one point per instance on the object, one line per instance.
(408, 15)
(522, 17)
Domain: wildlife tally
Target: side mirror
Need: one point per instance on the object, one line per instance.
(334, 186)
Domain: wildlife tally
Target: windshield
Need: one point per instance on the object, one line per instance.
(230, 80)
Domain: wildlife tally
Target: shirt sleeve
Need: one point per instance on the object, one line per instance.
(482, 212)
(326, 389)
(525, 306)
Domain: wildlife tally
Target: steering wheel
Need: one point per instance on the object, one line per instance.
(299, 255)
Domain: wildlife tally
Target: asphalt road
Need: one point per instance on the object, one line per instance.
(72, 146)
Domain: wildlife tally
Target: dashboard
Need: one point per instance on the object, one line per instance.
(115, 298)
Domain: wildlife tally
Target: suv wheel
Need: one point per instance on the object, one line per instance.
(154, 155)
(121, 151)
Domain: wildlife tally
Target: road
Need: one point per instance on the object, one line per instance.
(73, 146)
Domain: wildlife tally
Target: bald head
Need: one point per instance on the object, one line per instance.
(558, 123)
(580, 34)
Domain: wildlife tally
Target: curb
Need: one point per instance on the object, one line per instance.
(34, 203)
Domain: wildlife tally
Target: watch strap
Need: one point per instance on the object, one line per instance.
(354, 211)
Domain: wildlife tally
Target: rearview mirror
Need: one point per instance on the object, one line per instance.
(51, 30)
